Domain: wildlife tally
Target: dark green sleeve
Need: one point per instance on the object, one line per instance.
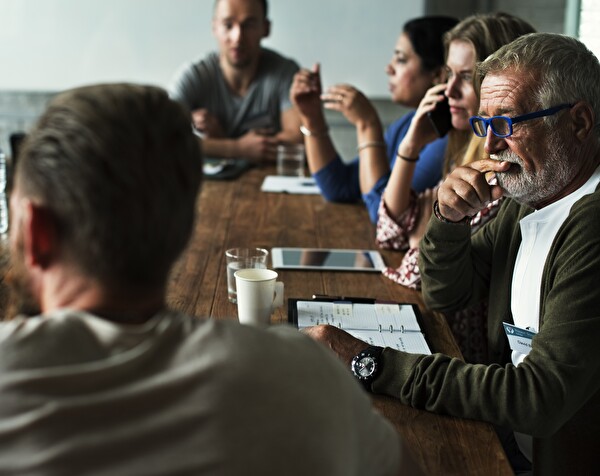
(457, 267)
(446, 265)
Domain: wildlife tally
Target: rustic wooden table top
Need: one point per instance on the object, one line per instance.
(237, 214)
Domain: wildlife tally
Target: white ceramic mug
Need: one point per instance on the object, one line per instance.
(258, 294)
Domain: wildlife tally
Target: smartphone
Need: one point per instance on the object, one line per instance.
(327, 259)
(441, 118)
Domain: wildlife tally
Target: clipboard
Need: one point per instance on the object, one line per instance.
(380, 323)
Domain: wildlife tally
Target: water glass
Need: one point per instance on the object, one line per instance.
(242, 258)
(290, 160)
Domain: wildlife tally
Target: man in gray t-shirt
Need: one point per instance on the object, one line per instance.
(239, 96)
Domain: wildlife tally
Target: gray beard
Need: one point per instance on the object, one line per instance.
(534, 188)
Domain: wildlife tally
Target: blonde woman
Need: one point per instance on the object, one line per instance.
(403, 214)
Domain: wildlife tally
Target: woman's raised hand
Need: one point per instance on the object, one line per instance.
(352, 103)
(305, 92)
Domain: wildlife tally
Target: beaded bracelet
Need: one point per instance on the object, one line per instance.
(408, 159)
(308, 133)
(373, 143)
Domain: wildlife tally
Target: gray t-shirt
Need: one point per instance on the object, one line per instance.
(202, 85)
(180, 395)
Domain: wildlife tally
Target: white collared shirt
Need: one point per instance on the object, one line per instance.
(538, 231)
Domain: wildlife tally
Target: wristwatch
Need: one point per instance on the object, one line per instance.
(366, 365)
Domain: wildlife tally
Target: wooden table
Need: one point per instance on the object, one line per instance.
(237, 214)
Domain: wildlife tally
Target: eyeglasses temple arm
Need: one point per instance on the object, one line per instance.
(543, 113)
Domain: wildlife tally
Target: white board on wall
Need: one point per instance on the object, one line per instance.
(56, 44)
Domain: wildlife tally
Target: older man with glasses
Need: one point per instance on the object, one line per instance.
(537, 263)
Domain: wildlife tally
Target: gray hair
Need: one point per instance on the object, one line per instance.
(119, 169)
(565, 70)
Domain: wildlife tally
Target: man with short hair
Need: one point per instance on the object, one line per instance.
(537, 262)
(239, 96)
(106, 379)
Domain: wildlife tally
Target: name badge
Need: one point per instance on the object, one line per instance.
(519, 339)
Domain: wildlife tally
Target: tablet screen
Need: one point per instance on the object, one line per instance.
(333, 259)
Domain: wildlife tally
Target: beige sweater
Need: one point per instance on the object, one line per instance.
(178, 395)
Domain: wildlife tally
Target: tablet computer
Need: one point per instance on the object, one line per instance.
(327, 259)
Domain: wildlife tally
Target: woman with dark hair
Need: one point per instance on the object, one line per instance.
(417, 64)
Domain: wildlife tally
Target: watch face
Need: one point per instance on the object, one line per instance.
(365, 366)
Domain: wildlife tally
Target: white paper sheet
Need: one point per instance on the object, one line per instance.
(385, 325)
(295, 185)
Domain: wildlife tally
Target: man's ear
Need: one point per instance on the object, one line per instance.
(583, 118)
(40, 235)
(267, 29)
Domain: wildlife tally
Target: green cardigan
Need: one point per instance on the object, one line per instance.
(554, 395)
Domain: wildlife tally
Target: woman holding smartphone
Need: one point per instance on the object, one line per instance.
(416, 65)
(404, 213)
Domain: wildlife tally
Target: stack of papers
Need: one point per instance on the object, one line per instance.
(296, 185)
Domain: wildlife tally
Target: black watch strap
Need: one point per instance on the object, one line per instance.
(374, 350)
(366, 365)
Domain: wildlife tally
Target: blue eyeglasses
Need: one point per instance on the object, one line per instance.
(502, 126)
